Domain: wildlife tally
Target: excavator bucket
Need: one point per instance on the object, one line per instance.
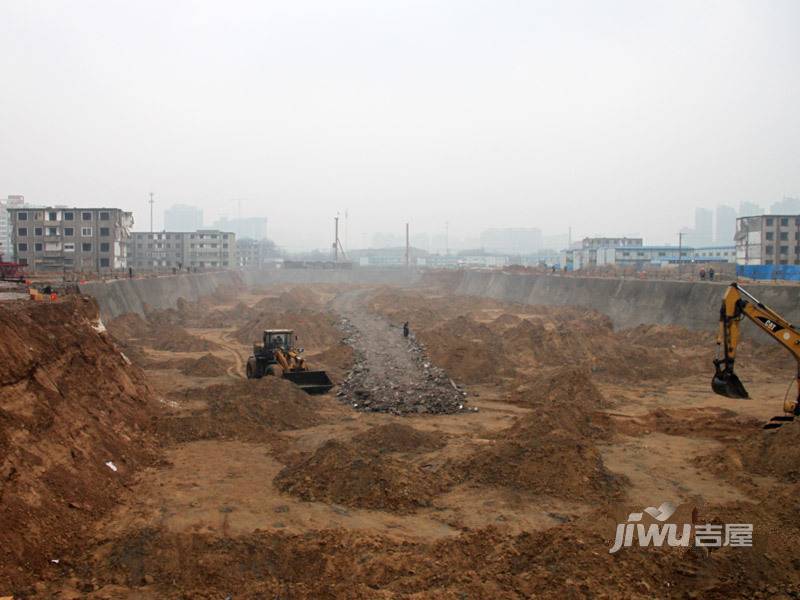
(311, 382)
(726, 383)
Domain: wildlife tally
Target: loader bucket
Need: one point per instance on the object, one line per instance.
(311, 382)
(726, 383)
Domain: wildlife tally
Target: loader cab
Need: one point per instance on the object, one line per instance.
(278, 338)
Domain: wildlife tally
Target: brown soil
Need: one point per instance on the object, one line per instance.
(250, 488)
(249, 410)
(159, 336)
(355, 476)
(69, 403)
(551, 451)
(207, 365)
(480, 341)
(399, 437)
(314, 330)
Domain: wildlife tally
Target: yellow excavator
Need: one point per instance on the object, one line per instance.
(738, 303)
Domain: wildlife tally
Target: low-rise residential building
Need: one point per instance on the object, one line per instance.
(768, 240)
(58, 239)
(203, 249)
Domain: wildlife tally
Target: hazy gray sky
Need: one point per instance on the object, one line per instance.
(612, 117)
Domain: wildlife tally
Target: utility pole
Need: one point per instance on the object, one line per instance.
(336, 239)
(680, 253)
(407, 248)
(151, 212)
(337, 244)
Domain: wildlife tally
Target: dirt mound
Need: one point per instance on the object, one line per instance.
(467, 350)
(219, 318)
(770, 452)
(486, 341)
(667, 336)
(315, 331)
(568, 561)
(207, 365)
(506, 320)
(247, 410)
(69, 403)
(348, 474)
(129, 326)
(397, 437)
(569, 388)
(159, 335)
(173, 338)
(336, 360)
(551, 451)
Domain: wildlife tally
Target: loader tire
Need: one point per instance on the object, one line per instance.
(253, 369)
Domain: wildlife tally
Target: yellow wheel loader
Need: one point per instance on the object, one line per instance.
(737, 304)
(278, 356)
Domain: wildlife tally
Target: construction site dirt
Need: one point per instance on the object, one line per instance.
(493, 453)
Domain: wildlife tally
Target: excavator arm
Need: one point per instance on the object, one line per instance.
(737, 304)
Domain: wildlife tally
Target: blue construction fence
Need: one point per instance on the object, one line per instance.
(787, 272)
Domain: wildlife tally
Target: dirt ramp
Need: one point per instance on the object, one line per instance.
(69, 404)
(345, 473)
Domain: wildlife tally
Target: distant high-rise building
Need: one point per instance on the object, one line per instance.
(512, 240)
(703, 227)
(749, 209)
(787, 206)
(182, 217)
(254, 228)
(726, 225)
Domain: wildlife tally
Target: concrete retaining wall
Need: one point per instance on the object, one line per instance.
(119, 296)
(354, 276)
(628, 302)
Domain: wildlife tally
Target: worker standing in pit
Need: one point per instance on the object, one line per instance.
(711, 274)
(405, 329)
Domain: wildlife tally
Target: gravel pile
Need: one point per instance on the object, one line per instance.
(388, 387)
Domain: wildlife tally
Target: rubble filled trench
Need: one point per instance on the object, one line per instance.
(391, 373)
